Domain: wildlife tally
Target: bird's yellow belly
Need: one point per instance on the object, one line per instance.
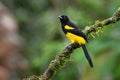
(75, 38)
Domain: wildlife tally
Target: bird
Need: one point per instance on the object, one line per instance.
(74, 33)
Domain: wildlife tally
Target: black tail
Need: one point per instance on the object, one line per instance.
(87, 55)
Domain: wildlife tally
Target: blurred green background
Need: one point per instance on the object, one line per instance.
(40, 29)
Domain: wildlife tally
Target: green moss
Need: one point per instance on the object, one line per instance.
(119, 9)
(102, 23)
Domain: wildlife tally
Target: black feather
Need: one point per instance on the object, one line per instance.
(87, 55)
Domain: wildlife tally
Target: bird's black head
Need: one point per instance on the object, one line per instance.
(63, 19)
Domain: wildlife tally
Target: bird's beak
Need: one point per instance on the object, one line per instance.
(59, 17)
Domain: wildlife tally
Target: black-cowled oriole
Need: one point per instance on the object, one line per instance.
(75, 35)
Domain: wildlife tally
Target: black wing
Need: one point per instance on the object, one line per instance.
(77, 31)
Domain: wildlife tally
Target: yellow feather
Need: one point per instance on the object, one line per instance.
(68, 27)
(76, 39)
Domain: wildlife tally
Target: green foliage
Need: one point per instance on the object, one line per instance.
(44, 39)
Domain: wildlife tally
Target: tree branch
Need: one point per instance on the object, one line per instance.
(63, 57)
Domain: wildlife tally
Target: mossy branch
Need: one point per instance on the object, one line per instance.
(63, 57)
